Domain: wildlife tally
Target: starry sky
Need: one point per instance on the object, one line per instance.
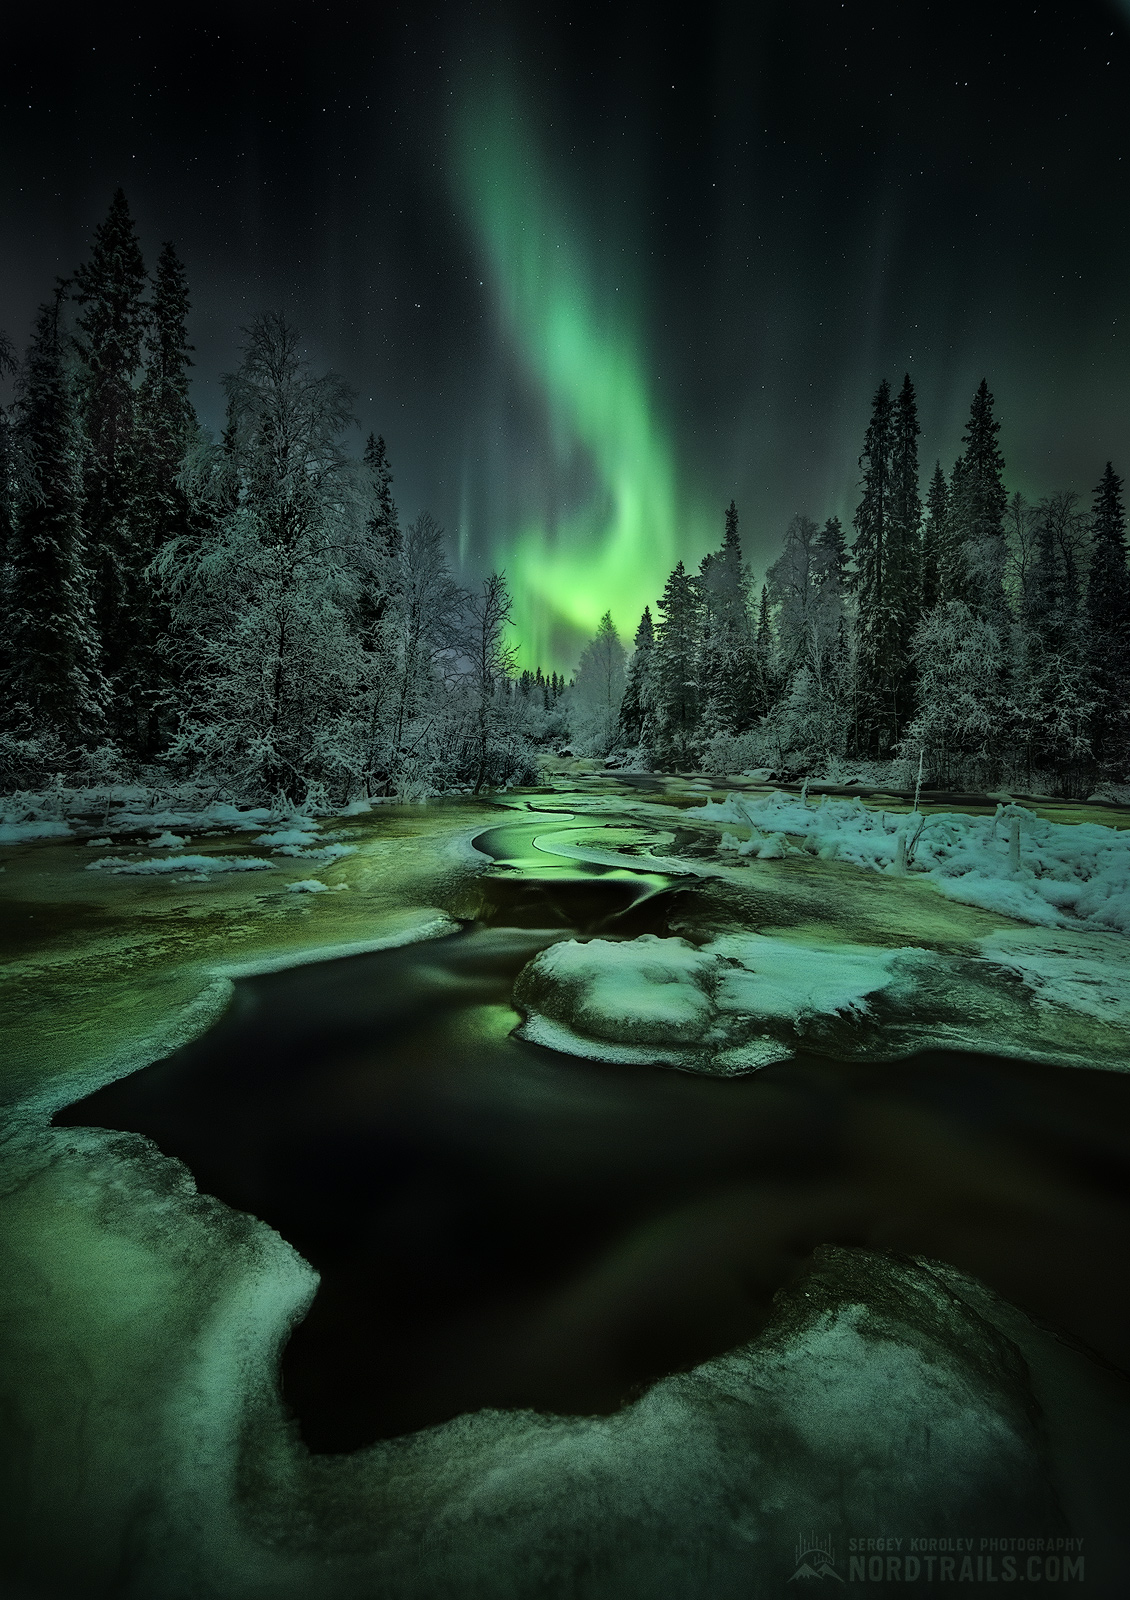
(593, 270)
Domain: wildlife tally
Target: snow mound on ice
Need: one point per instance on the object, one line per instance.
(644, 991)
(199, 864)
(308, 886)
(1061, 875)
(326, 852)
(289, 836)
(164, 841)
(1085, 972)
(665, 1000)
(766, 977)
(20, 832)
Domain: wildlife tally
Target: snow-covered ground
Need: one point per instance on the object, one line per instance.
(731, 1005)
(1016, 862)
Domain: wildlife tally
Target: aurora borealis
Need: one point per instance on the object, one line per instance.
(579, 341)
(594, 270)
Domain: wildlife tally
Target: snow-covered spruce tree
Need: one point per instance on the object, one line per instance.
(1020, 524)
(831, 576)
(812, 719)
(637, 708)
(677, 693)
(8, 364)
(954, 582)
(383, 538)
(810, 713)
(378, 614)
(166, 429)
(265, 603)
(598, 690)
(806, 584)
(978, 499)
(960, 661)
(906, 502)
(884, 584)
(495, 750)
(53, 685)
(729, 667)
(110, 288)
(408, 667)
(538, 723)
(1050, 684)
(792, 582)
(1108, 618)
(935, 534)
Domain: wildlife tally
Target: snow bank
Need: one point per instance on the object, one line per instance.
(764, 977)
(204, 865)
(1058, 874)
(21, 832)
(729, 1006)
(644, 991)
(1084, 972)
(289, 836)
(326, 852)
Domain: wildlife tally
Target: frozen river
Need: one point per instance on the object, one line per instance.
(575, 1322)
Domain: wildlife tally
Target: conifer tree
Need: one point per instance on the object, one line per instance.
(384, 523)
(383, 543)
(8, 364)
(953, 561)
(638, 705)
(677, 698)
(1108, 617)
(598, 689)
(764, 623)
(793, 585)
(935, 531)
(53, 680)
(491, 662)
(978, 502)
(877, 586)
(110, 289)
(886, 576)
(727, 658)
(904, 561)
(166, 427)
(1050, 687)
(832, 574)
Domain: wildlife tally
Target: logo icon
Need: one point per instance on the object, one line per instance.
(815, 1558)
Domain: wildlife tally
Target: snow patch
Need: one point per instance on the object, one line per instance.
(281, 837)
(764, 977)
(1060, 875)
(1088, 973)
(202, 865)
(21, 832)
(327, 852)
(664, 1000)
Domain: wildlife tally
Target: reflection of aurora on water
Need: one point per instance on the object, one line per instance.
(577, 333)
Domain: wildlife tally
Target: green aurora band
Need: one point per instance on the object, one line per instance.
(584, 350)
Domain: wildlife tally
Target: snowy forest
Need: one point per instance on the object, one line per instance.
(249, 615)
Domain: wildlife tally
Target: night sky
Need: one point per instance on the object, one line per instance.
(593, 270)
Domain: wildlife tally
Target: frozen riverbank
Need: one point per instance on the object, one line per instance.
(144, 1321)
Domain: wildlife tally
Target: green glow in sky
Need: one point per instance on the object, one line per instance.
(572, 321)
